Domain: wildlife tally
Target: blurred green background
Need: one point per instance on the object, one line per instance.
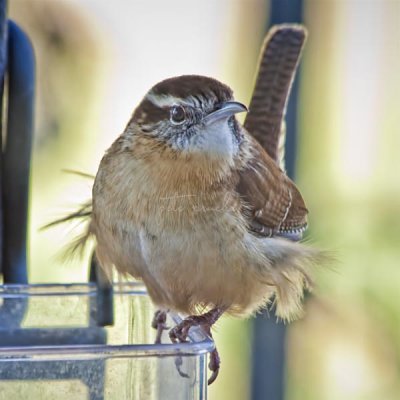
(96, 59)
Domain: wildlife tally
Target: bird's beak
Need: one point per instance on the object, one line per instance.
(226, 109)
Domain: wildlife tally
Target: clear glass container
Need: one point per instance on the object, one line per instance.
(52, 348)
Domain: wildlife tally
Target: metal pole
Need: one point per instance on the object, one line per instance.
(269, 336)
(3, 63)
(17, 154)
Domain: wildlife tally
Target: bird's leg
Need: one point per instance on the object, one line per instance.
(180, 333)
(159, 323)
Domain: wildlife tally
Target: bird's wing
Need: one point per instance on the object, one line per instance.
(278, 63)
(272, 203)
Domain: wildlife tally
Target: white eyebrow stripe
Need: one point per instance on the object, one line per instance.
(165, 100)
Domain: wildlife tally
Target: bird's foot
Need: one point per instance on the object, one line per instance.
(214, 365)
(159, 323)
(181, 331)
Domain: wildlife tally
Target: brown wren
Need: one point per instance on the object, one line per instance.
(188, 201)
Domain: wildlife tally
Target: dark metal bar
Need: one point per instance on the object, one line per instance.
(3, 36)
(15, 174)
(3, 64)
(269, 336)
(17, 154)
(104, 307)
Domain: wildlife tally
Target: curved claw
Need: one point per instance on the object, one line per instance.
(159, 323)
(178, 364)
(213, 377)
(213, 365)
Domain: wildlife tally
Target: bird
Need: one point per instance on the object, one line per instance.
(199, 207)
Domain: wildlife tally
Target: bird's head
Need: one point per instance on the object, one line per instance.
(191, 115)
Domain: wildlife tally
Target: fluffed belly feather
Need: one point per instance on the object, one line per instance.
(212, 262)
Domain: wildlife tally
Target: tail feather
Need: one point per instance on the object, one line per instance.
(83, 215)
(84, 212)
(78, 245)
(278, 64)
(79, 173)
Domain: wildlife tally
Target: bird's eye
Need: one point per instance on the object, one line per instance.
(177, 115)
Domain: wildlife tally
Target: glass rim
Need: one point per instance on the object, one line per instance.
(199, 343)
